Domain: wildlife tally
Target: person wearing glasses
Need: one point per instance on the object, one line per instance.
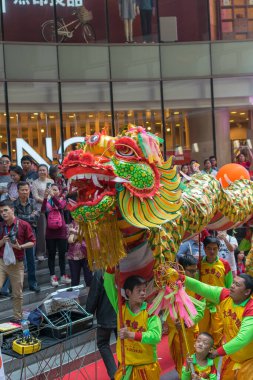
(5, 177)
(217, 272)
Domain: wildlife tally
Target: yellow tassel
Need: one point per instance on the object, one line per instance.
(104, 241)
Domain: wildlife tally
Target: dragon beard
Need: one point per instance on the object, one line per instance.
(104, 242)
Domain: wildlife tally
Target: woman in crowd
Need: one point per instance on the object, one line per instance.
(185, 173)
(56, 232)
(241, 159)
(208, 168)
(38, 190)
(240, 262)
(16, 174)
(77, 256)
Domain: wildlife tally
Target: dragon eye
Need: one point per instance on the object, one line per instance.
(125, 151)
(94, 139)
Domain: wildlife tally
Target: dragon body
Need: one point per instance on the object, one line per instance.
(131, 207)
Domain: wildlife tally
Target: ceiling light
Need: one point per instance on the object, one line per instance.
(233, 112)
(71, 116)
(242, 113)
(90, 115)
(177, 125)
(42, 130)
(158, 123)
(147, 122)
(168, 129)
(4, 114)
(51, 116)
(109, 115)
(14, 150)
(11, 117)
(247, 118)
(149, 128)
(176, 113)
(1, 136)
(32, 117)
(231, 121)
(35, 113)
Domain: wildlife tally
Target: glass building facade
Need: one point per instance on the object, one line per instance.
(185, 73)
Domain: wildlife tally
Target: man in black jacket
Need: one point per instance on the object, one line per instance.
(99, 303)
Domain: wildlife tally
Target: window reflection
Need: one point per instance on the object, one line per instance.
(86, 110)
(34, 121)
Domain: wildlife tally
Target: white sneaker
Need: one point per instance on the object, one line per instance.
(40, 258)
(65, 279)
(54, 280)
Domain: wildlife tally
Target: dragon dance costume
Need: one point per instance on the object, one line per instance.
(140, 352)
(217, 273)
(176, 341)
(204, 372)
(237, 329)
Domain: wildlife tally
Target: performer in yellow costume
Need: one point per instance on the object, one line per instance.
(236, 308)
(177, 344)
(141, 333)
(214, 271)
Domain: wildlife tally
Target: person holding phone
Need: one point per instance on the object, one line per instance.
(38, 190)
(56, 235)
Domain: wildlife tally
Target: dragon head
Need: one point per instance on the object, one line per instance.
(126, 173)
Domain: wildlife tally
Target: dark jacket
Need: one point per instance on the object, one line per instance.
(98, 302)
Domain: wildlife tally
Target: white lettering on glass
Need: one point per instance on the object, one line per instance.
(41, 3)
(22, 146)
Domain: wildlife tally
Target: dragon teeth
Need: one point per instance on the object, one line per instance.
(95, 181)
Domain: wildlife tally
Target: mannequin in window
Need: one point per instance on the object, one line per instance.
(127, 11)
(146, 8)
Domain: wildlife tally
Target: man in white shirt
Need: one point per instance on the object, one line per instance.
(228, 244)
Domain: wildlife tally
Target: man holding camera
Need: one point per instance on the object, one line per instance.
(17, 234)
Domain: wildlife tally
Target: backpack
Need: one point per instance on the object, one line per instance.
(54, 219)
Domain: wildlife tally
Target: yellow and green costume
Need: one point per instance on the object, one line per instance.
(204, 372)
(217, 273)
(237, 329)
(140, 352)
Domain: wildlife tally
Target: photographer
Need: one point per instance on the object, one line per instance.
(15, 236)
(25, 209)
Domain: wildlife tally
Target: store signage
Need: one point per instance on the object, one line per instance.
(42, 3)
(23, 148)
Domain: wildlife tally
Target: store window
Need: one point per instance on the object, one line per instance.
(86, 110)
(233, 117)
(23, 20)
(84, 22)
(183, 20)
(137, 103)
(188, 116)
(131, 24)
(78, 21)
(34, 121)
(235, 19)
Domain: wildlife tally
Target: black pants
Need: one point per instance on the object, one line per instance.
(103, 343)
(75, 269)
(146, 24)
(52, 246)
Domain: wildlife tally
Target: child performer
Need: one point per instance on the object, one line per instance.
(204, 367)
(141, 332)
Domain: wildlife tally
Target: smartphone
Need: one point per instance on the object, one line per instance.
(49, 185)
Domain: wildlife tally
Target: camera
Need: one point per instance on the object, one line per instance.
(13, 237)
